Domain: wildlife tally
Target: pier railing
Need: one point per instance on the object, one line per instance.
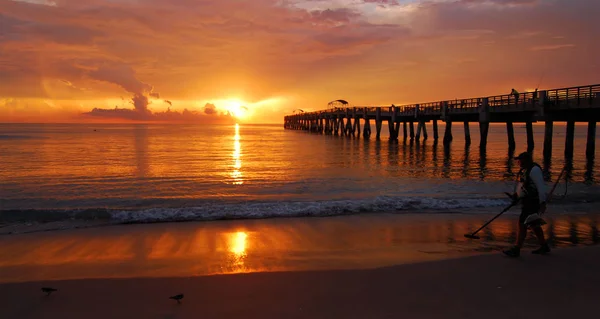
(574, 97)
(563, 98)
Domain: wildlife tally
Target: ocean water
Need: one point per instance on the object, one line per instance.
(125, 173)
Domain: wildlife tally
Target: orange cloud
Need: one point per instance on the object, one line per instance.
(305, 53)
(551, 47)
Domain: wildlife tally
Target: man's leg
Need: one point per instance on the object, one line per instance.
(544, 249)
(539, 233)
(521, 235)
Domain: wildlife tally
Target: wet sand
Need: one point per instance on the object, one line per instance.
(294, 244)
(562, 285)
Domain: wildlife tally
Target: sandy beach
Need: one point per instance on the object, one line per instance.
(491, 286)
(361, 266)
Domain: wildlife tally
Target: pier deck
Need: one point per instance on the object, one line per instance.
(574, 104)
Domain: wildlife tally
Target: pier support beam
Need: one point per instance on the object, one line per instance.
(510, 132)
(378, 123)
(424, 131)
(332, 122)
(569, 140)
(349, 129)
(448, 132)
(391, 129)
(484, 128)
(418, 131)
(332, 125)
(346, 123)
(404, 129)
(392, 124)
(467, 133)
(530, 142)
(344, 127)
(435, 130)
(367, 130)
(412, 131)
(355, 123)
(590, 149)
(548, 131)
(484, 124)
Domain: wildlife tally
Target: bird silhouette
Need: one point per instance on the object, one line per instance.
(48, 290)
(177, 297)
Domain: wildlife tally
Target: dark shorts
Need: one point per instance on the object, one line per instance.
(528, 207)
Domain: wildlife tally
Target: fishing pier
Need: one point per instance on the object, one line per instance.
(570, 105)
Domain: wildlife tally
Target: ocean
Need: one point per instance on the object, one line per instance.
(137, 173)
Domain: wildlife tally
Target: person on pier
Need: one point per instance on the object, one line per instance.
(515, 93)
(531, 191)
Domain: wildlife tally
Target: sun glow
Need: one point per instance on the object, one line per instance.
(237, 108)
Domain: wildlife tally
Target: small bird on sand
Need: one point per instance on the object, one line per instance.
(177, 297)
(48, 290)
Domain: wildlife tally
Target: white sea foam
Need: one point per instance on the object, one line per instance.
(296, 209)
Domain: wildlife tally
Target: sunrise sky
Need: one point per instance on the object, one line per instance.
(261, 59)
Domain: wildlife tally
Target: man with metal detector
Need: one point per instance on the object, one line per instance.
(531, 191)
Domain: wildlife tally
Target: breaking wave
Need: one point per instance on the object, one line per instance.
(248, 210)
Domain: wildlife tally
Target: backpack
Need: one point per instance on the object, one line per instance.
(528, 186)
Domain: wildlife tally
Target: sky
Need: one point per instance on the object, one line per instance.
(254, 61)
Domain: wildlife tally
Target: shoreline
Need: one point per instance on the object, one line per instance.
(572, 207)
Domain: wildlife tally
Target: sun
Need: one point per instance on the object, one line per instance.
(237, 108)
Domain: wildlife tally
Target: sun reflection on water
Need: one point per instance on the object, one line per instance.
(237, 248)
(238, 244)
(236, 174)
